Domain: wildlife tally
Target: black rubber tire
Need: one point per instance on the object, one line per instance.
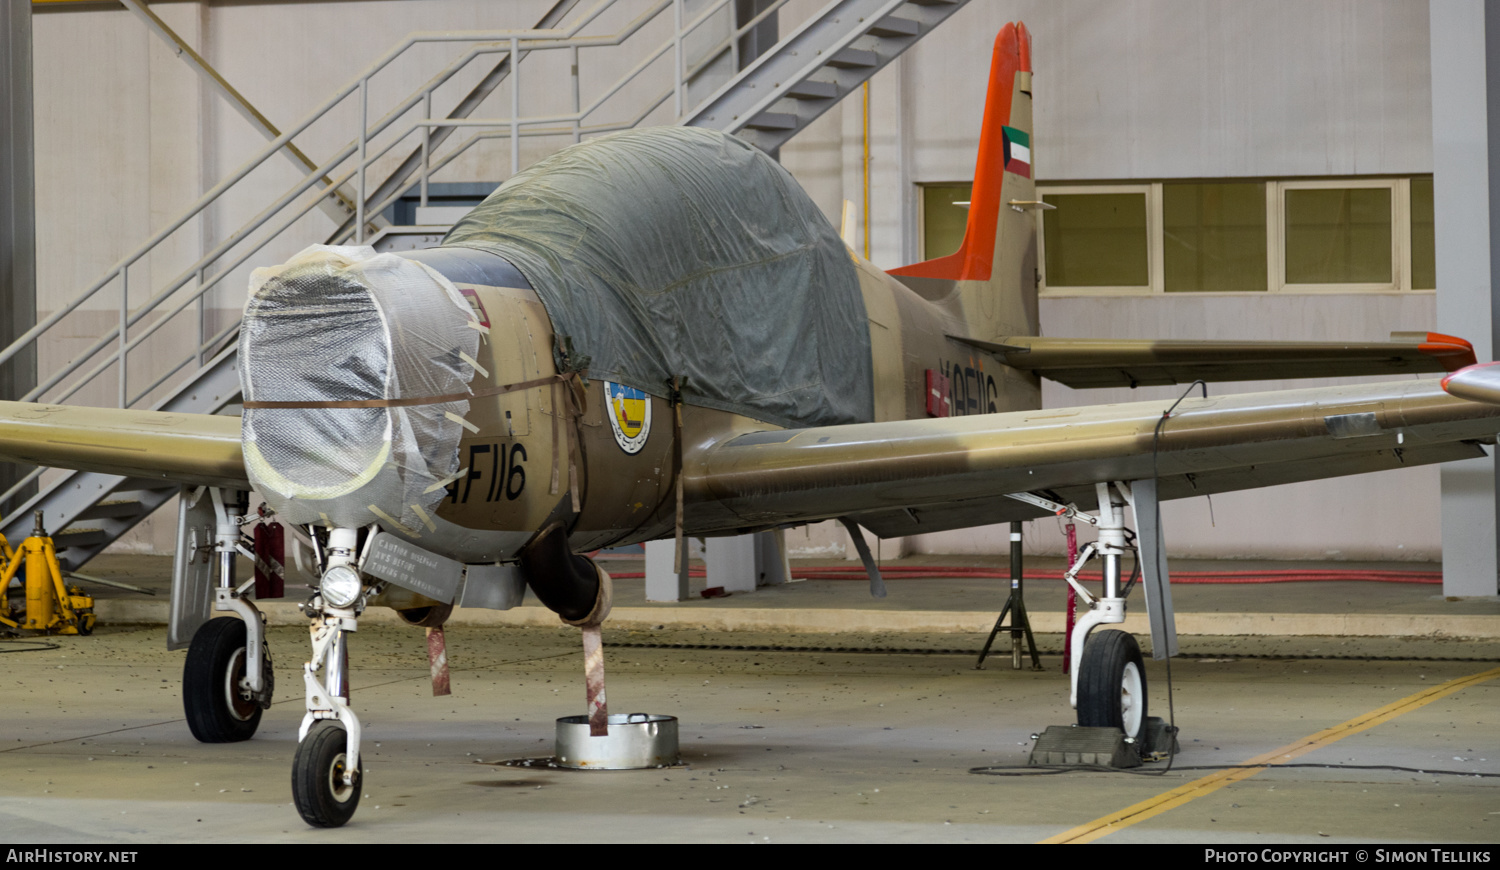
(317, 788)
(1101, 676)
(215, 663)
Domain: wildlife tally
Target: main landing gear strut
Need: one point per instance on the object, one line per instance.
(1109, 681)
(227, 679)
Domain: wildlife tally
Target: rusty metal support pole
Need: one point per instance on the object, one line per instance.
(437, 660)
(593, 670)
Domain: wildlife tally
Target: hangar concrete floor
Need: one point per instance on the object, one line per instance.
(827, 737)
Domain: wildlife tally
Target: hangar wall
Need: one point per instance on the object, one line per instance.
(1169, 89)
(1125, 91)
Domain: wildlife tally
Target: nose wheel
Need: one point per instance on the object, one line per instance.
(322, 796)
(1112, 684)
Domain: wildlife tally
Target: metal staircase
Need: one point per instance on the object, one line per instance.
(825, 59)
(767, 102)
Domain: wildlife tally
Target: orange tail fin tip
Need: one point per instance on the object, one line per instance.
(1001, 150)
(1454, 353)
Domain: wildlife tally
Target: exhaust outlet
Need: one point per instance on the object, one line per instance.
(569, 585)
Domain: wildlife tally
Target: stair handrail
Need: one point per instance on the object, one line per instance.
(486, 42)
(480, 43)
(483, 43)
(580, 112)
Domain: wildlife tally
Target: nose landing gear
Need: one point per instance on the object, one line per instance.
(325, 795)
(326, 772)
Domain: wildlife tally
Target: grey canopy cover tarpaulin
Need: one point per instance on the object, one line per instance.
(675, 251)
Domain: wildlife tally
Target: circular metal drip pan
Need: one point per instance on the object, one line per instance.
(635, 740)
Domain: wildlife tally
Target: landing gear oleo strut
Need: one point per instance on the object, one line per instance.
(227, 679)
(1109, 684)
(326, 774)
(1109, 680)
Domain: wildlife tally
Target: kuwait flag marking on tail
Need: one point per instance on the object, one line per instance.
(1017, 151)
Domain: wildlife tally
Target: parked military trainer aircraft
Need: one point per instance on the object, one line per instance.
(657, 333)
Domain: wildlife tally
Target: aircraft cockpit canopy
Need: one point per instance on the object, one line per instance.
(659, 252)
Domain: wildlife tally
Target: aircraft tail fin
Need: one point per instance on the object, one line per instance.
(999, 246)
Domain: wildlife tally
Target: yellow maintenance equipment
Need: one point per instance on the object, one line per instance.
(50, 605)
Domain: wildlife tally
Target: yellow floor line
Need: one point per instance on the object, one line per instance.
(1155, 806)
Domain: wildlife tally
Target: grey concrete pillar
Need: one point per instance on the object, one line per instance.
(1465, 149)
(742, 563)
(663, 583)
(731, 563)
(17, 209)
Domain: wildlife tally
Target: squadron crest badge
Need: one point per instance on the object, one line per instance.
(629, 416)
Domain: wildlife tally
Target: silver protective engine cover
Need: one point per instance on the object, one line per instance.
(344, 324)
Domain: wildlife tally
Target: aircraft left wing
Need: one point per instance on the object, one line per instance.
(189, 448)
(1087, 362)
(915, 476)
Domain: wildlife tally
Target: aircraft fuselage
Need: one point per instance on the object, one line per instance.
(516, 469)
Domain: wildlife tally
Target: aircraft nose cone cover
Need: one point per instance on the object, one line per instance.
(348, 326)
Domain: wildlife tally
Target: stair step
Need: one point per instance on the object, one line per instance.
(78, 538)
(891, 25)
(773, 121)
(811, 89)
(932, 2)
(854, 58)
(112, 508)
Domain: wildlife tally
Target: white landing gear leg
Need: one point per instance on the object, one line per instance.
(326, 773)
(226, 678)
(1109, 679)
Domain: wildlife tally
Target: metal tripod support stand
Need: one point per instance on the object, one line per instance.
(1015, 608)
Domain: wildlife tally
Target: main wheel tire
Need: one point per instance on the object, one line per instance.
(1112, 683)
(318, 788)
(215, 664)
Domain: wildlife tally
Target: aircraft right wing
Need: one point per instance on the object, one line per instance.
(914, 476)
(1087, 362)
